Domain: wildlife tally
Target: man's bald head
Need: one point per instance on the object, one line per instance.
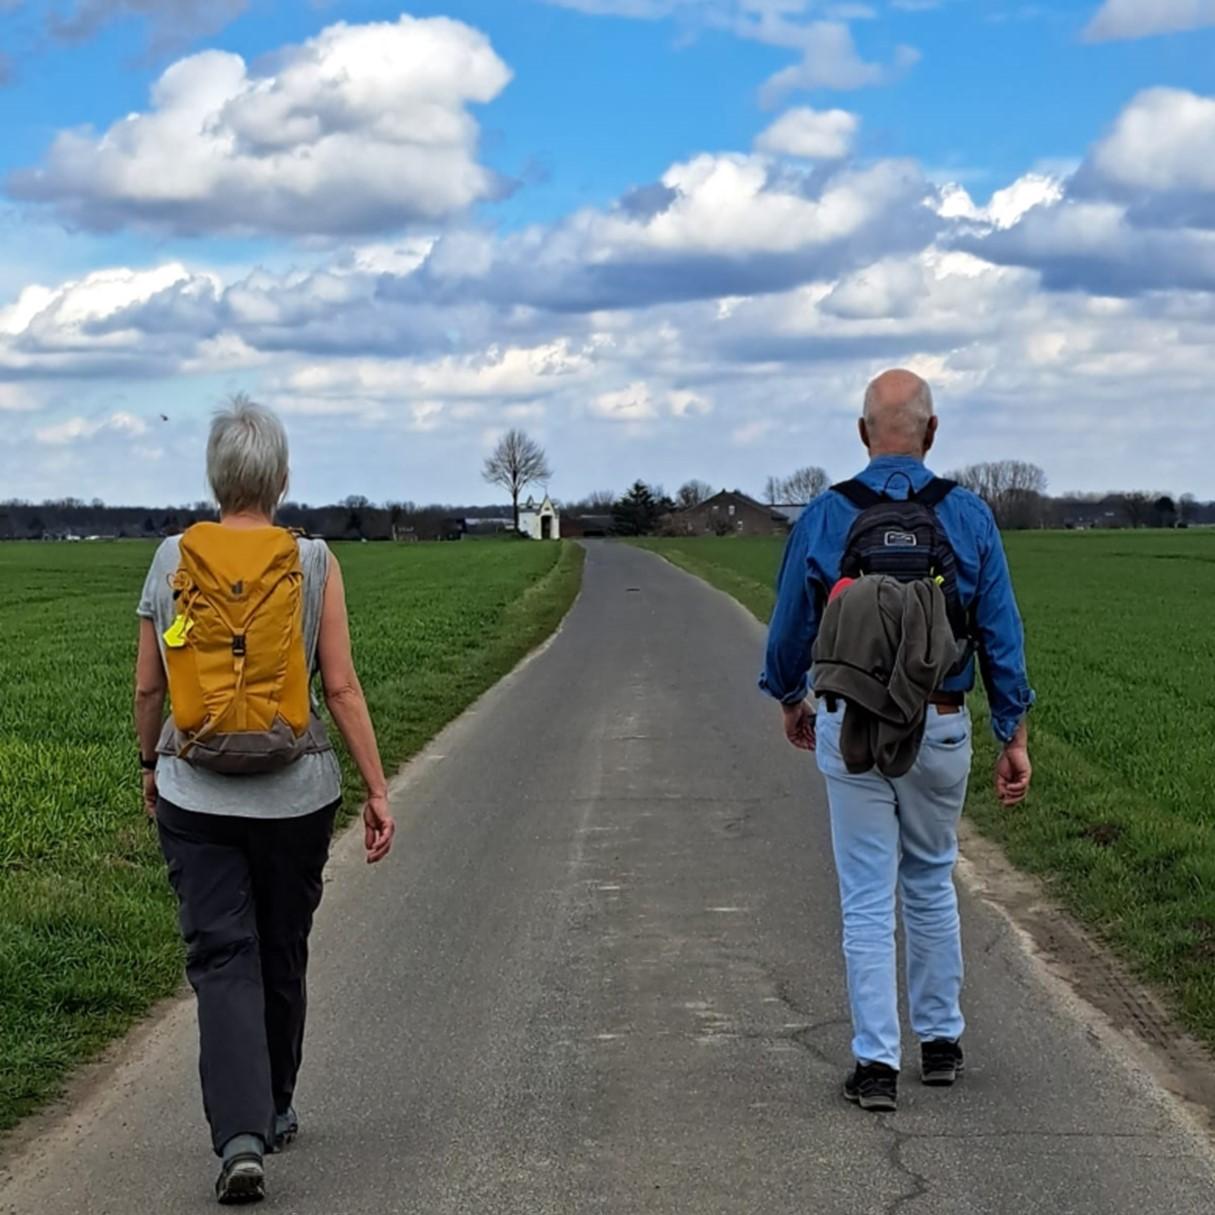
(898, 418)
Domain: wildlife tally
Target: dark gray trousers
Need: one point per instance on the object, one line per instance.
(247, 890)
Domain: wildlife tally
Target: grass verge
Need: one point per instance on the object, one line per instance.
(88, 937)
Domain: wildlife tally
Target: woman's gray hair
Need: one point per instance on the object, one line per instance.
(247, 457)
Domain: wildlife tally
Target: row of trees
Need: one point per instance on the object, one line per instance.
(354, 518)
(1016, 491)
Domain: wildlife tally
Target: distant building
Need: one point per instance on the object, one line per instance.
(792, 511)
(732, 513)
(575, 527)
(488, 525)
(541, 522)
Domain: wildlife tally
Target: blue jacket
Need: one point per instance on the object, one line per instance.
(811, 567)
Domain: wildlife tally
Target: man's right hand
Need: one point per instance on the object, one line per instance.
(799, 726)
(1013, 770)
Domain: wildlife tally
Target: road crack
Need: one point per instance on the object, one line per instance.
(921, 1186)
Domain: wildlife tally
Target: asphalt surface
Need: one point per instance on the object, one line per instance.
(601, 973)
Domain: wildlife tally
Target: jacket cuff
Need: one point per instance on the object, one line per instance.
(792, 698)
(1005, 727)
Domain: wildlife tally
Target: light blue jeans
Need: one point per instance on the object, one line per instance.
(900, 837)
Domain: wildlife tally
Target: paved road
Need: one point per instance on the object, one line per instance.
(602, 975)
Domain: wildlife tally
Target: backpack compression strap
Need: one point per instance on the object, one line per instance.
(859, 494)
(935, 492)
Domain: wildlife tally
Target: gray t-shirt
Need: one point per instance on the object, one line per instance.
(309, 784)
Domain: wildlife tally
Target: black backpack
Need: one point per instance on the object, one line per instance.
(904, 539)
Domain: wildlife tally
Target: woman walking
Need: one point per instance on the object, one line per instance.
(236, 619)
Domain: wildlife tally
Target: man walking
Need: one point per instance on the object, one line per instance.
(895, 807)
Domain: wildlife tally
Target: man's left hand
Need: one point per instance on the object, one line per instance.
(1013, 770)
(799, 726)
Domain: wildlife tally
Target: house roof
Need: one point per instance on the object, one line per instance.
(777, 512)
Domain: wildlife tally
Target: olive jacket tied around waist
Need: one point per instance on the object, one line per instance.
(884, 648)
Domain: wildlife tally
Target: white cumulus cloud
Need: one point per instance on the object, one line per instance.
(1006, 206)
(631, 404)
(1122, 19)
(362, 129)
(810, 134)
(817, 33)
(685, 404)
(830, 60)
(173, 23)
(1163, 141)
(499, 374)
(72, 430)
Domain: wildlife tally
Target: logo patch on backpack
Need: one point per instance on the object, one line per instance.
(901, 540)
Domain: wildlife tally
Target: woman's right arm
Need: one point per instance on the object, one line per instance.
(346, 702)
(151, 687)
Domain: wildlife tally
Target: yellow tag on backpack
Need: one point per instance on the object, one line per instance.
(238, 677)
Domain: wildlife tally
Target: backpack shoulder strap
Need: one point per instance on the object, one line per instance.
(859, 494)
(935, 492)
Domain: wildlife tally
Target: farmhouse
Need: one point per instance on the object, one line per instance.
(541, 522)
(732, 513)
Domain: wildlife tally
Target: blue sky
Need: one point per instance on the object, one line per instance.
(566, 214)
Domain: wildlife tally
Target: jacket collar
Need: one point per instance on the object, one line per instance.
(880, 471)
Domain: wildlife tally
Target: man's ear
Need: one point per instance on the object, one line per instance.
(930, 436)
(864, 431)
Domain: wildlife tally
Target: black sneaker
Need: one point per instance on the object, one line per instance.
(242, 1180)
(941, 1062)
(873, 1086)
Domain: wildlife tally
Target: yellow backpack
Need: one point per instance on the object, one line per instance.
(235, 656)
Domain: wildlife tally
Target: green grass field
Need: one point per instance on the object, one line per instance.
(1121, 819)
(87, 924)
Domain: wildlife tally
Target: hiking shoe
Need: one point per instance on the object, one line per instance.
(873, 1086)
(286, 1128)
(242, 1180)
(941, 1062)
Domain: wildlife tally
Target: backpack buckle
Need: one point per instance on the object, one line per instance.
(238, 645)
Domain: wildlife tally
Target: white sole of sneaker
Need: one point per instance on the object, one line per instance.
(246, 1183)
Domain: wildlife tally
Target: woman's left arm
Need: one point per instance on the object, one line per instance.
(150, 688)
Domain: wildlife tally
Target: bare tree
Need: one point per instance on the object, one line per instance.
(598, 502)
(1014, 489)
(693, 493)
(805, 485)
(1137, 507)
(796, 490)
(517, 462)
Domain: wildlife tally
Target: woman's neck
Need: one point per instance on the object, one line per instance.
(245, 519)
